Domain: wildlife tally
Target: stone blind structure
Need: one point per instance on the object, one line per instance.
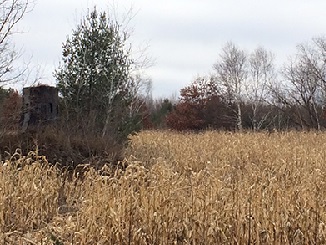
(40, 106)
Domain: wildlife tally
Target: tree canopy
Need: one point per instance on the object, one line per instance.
(94, 78)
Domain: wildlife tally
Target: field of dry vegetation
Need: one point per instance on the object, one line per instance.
(174, 188)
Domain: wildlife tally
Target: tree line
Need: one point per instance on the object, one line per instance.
(246, 91)
(104, 96)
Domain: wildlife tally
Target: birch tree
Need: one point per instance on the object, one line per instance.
(231, 74)
(261, 76)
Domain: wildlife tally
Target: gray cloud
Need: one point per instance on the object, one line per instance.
(185, 36)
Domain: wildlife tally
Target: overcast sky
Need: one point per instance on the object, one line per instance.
(185, 37)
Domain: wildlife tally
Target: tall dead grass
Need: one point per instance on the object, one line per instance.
(173, 188)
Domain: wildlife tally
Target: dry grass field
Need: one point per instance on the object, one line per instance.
(175, 188)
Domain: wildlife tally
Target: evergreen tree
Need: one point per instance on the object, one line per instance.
(94, 76)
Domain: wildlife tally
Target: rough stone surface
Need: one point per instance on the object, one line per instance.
(40, 106)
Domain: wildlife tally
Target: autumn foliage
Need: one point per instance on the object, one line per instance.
(11, 110)
(200, 106)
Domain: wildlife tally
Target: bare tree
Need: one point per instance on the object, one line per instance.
(261, 75)
(303, 88)
(11, 12)
(231, 70)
